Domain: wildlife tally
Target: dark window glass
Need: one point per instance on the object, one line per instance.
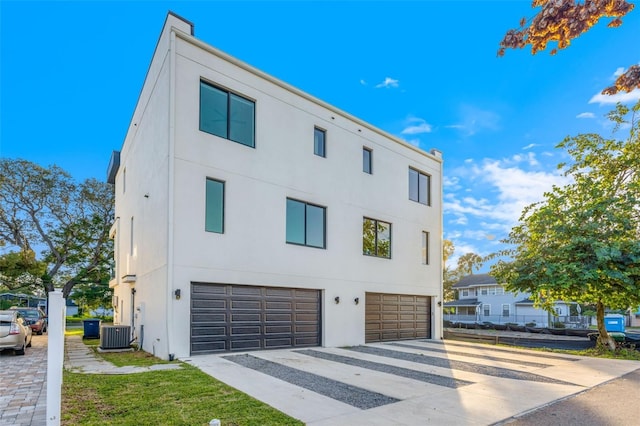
(376, 238)
(227, 115)
(419, 187)
(305, 224)
(214, 207)
(367, 156)
(213, 110)
(241, 123)
(319, 142)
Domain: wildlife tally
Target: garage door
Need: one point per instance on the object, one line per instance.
(228, 318)
(396, 317)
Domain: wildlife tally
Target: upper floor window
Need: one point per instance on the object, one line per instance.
(465, 292)
(376, 238)
(227, 115)
(367, 160)
(305, 224)
(419, 187)
(425, 248)
(214, 206)
(319, 142)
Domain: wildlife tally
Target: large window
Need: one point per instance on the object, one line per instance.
(376, 238)
(319, 142)
(305, 224)
(227, 115)
(425, 248)
(419, 187)
(214, 206)
(367, 160)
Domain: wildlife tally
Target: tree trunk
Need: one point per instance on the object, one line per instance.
(603, 339)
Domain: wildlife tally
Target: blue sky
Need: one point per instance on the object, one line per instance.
(426, 71)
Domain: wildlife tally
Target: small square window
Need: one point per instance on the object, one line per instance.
(376, 238)
(367, 160)
(319, 142)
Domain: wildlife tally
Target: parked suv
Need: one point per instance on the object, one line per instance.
(33, 317)
(14, 334)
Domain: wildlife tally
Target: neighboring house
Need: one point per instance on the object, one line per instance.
(251, 215)
(634, 317)
(482, 299)
(25, 300)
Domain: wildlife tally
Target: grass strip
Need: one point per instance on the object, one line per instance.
(174, 397)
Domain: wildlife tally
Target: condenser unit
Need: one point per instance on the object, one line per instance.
(115, 337)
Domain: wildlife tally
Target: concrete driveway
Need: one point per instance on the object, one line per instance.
(23, 390)
(409, 382)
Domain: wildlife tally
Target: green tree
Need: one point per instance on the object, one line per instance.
(560, 21)
(582, 243)
(60, 227)
(468, 262)
(450, 276)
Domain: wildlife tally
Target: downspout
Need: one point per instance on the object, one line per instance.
(170, 195)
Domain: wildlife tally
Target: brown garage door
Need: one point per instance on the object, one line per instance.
(396, 317)
(228, 318)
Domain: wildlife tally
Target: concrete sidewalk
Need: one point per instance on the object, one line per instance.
(413, 382)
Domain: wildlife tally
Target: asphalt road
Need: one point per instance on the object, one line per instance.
(616, 402)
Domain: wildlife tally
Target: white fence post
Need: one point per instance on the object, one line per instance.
(55, 356)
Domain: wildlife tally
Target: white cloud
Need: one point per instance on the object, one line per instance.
(586, 115)
(531, 145)
(416, 126)
(388, 83)
(622, 97)
(617, 73)
(364, 83)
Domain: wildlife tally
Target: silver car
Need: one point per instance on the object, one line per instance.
(14, 334)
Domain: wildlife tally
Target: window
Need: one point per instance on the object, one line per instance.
(465, 292)
(319, 142)
(419, 187)
(483, 291)
(305, 224)
(506, 310)
(486, 310)
(214, 206)
(131, 247)
(376, 238)
(499, 290)
(425, 248)
(367, 159)
(227, 115)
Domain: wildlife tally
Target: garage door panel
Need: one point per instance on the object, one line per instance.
(245, 317)
(253, 318)
(244, 330)
(208, 317)
(394, 317)
(246, 304)
(278, 305)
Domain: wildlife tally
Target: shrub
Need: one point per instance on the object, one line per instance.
(558, 324)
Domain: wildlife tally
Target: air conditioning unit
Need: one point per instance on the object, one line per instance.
(115, 337)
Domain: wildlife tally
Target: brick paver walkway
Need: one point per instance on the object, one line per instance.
(23, 390)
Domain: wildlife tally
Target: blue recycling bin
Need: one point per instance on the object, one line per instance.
(91, 328)
(614, 323)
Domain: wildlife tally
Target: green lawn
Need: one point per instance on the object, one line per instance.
(175, 397)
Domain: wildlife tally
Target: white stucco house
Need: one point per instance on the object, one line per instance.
(251, 215)
(482, 299)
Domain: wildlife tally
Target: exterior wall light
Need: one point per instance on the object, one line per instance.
(177, 293)
(356, 300)
(337, 299)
